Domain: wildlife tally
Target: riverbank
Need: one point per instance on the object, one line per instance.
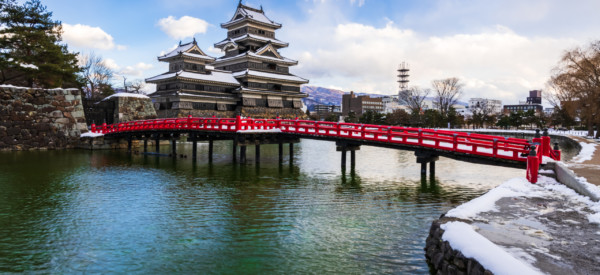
(519, 228)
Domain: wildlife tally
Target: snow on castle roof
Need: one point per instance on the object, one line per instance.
(253, 36)
(215, 76)
(287, 77)
(247, 12)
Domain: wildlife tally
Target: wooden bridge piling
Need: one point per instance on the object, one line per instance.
(145, 144)
(257, 153)
(243, 154)
(210, 149)
(157, 143)
(234, 150)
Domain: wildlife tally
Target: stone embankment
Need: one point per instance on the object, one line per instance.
(32, 118)
(550, 227)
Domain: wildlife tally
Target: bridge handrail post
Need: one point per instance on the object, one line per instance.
(420, 136)
(454, 142)
(546, 147)
(104, 128)
(532, 165)
(495, 148)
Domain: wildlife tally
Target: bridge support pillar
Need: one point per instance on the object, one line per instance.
(243, 154)
(157, 143)
(280, 152)
(174, 148)
(145, 144)
(291, 152)
(257, 153)
(210, 149)
(194, 149)
(129, 141)
(424, 157)
(344, 147)
(343, 158)
(234, 150)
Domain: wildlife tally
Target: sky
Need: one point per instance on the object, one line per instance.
(498, 49)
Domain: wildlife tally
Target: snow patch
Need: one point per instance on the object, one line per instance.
(90, 134)
(462, 237)
(126, 95)
(586, 153)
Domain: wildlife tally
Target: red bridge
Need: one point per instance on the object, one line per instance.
(428, 144)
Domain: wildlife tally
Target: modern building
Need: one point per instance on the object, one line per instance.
(251, 79)
(360, 104)
(322, 111)
(534, 102)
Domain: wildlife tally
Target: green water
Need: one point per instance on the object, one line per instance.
(109, 212)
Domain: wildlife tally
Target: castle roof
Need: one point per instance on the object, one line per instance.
(273, 41)
(217, 76)
(282, 60)
(246, 13)
(259, 74)
(190, 49)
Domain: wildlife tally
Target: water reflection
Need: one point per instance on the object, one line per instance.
(108, 211)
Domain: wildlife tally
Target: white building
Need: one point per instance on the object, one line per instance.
(392, 103)
(494, 105)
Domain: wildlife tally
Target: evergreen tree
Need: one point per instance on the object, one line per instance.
(30, 53)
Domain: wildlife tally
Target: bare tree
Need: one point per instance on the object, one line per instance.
(96, 74)
(576, 84)
(414, 98)
(483, 111)
(137, 86)
(447, 92)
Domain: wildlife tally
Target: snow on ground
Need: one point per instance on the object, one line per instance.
(520, 187)
(126, 95)
(586, 153)
(516, 187)
(462, 237)
(502, 260)
(90, 134)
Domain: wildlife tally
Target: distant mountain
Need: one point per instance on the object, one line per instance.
(326, 96)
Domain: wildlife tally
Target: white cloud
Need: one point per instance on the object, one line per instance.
(88, 37)
(214, 51)
(184, 27)
(111, 64)
(495, 62)
(136, 70)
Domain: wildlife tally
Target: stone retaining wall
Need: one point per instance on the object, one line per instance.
(443, 259)
(33, 118)
(132, 108)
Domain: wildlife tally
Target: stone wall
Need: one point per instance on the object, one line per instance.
(264, 112)
(32, 118)
(130, 107)
(173, 113)
(443, 259)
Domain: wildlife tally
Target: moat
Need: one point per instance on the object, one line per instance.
(106, 211)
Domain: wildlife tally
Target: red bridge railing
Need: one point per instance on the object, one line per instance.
(515, 149)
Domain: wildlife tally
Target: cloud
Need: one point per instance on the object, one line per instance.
(136, 70)
(88, 37)
(495, 62)
(183, 27)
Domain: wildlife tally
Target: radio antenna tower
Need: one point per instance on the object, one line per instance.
(403, 76)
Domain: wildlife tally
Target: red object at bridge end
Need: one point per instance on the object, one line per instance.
(533, 166)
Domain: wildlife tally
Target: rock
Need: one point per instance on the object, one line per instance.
(56, 113)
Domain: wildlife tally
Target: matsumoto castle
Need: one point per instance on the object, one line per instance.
(251, 79)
